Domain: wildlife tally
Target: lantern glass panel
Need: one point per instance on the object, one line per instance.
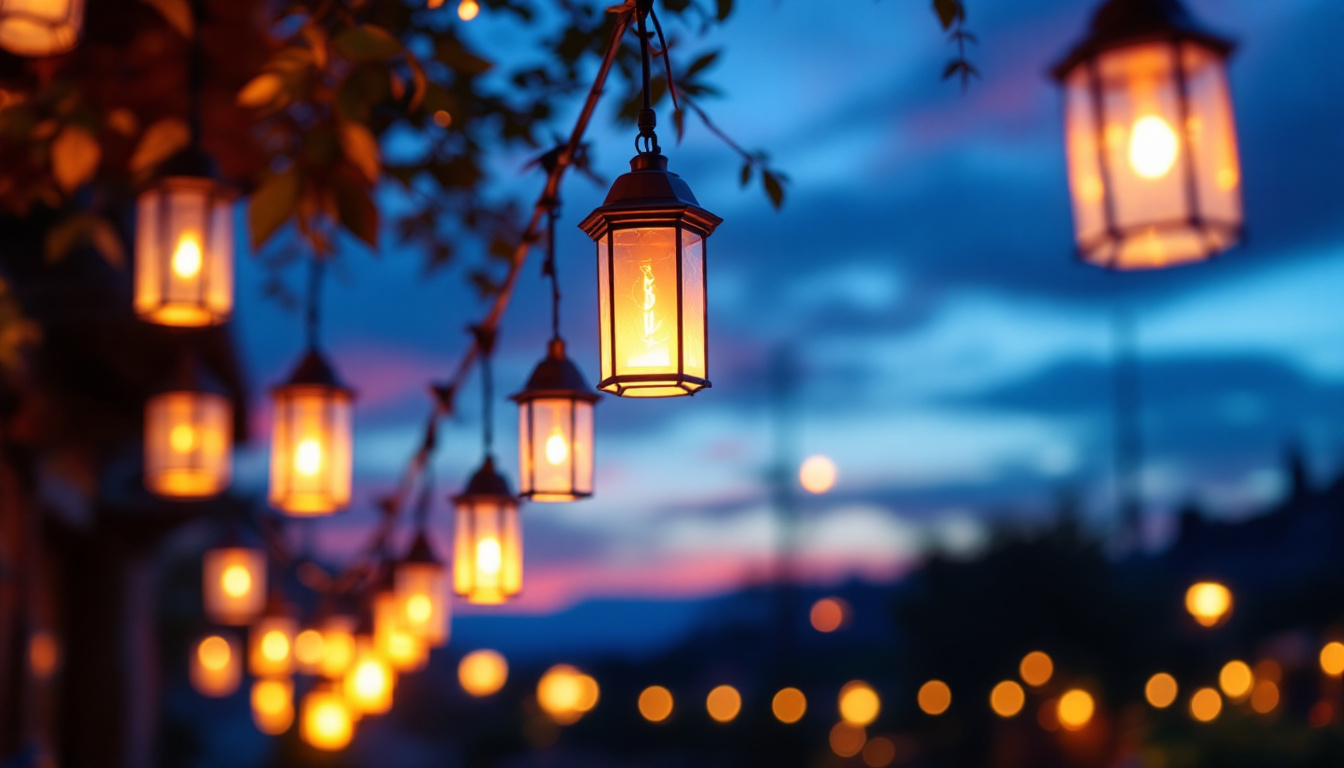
(369, 683)
(234, 580)
(556, 437)
(271, 647)
(273, 705)
(604, 306)
(188, 439)
(184, 253)
(488, 551)
(311, 456)
(338, 646)
(1213, 140)
(693, 304)
(392, 634)
(422, 591)
(1085, 175)
(216, 666)
(40, 27)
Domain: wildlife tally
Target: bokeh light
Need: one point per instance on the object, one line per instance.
(859, 704)
(483, 672)
(1076, 709)
(1209, 603)
(789, 705)
(723, 703)
(1236, 680)
(273, 706)
(1161, 690)
(1007, 699)
(817, 475)
(44, 655)
(879, 752)
(847, 740)
(468, 10)
(216, 666)
(327, 722)
(935, 697)
(1321, 714)
(566, 694)
(1206, 705)
(829, 614)
(1332, 659)
(1036, 669)
(309, 650)
(1265, 698)
(655, 703)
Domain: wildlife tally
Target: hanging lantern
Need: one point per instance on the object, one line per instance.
(273, 705)
(488, 544)
(422, 593)
(338, 646)
(188, 436)
(271, 652)
(311, 455)
(216, 666)
(369, 683)
(234, 580)
(392, 637)
(555, 431)
(327, 724)
(1151, 139)
(309, 650)
(184, 246)
(40, 27)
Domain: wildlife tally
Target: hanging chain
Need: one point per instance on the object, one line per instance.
(647, 141)
(313, 315)
(548, 268)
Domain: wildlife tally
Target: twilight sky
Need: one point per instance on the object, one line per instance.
(956, 361)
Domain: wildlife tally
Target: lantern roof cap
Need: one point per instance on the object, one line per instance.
(190, 161)
(1119, 23)
(315, 371)
(557, 377)
(190, 375)
(487, 482)
(649, 188)
(421, 551)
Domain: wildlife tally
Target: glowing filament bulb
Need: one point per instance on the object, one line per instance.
(1153, 147)
(308, 458)
(275, 646)
(419, 609)
(187, 257)
(656, 353)
(236, 581)
(182, 438)
(557, 449)
(489, 556)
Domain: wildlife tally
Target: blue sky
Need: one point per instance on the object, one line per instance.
(956, 360)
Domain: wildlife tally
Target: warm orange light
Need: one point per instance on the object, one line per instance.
(566, 694)
(818, 474)
(935, 697)
(879, 752)
(188, 444)
(555, 430)
(391, 636)
(1265, 698)
(859, 704)
(1236, 680)
(309, 651)
(655, 703)
(1206, 705)
(338, 646)
(1076, 709)
(328, 723)
(724, 703)
(311, 443)
(216, 666)
(1036, 669)
(184, 252)
(272, 647)
(789, 706)
(369, 683)
(1153, 147)
(422, 590)
(273, 705)
(829, 614)
(1332, 659)
(483, 672)
(847, 740)
(234, 583)
(1161, 690)
(40, 27)
(44, 655)
(488, 550)
(1007, 699)
(468, 10)
(1209, 603)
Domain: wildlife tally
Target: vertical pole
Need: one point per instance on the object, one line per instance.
(1128, 430)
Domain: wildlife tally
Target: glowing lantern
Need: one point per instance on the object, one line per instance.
(338, 646)
(188, 436)
(309, 651)
(1161, 690)
(1076, 709)
(789, 705)
(1007, 699)
(216, 666)
(392, 638)
(422, 593)
(1209, 602)
(273, 705)
(483, 672)
(327, 722)
(555, 431)
(40, 27)
(271, 645)
(235, 585)
(184, 246)
(488, 543)
(311, 456)
(1152, 145)
(859, 704)
(566, 694)
(369, 683)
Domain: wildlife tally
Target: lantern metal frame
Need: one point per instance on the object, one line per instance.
(190, 378)
(314, 376)
(555, 378)
(71, 29)
(486, 486)
(1120, 24)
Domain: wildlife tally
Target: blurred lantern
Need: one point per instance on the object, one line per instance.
(309, 651)
(488, 546)
(1237, 680)
(859, 704)
(566, 694)
(235, 585)
(184, 246)
(271, 643)
(216, 666)
(483, 672)
(392, 637)
(1332, 659)
(338, 645)
(1152, 146)
(723, 703)
(273, 705)
(1209, 602)
(934, 697)
(40, 27)
(1161, 690)
(370, 680)
(789, 705)
(422, 593)
(651, 237)
(1076, 709)
(555, 431)
(311, 455)
(1206, 705)
(1007, 699)
(468, 9)
(1037, 668)
(327, 721)
(188, 436)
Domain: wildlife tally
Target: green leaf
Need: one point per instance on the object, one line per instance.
(272, 205)
(949, 12)
(774, 188)
(355, 208)
(366, 43)
(704, 62)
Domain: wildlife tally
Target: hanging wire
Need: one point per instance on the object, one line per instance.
(313, 314)
(196, 73)
(426, 501)
(485, 341)
(647, 141)
(548, 269)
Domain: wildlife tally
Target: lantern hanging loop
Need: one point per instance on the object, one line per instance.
(647, 141)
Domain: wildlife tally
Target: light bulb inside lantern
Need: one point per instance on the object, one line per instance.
(652, 349)
(236, 581)
(275, 646)
(419, 609)
(308, 458)
(489, 556)
(182, 439)
(187, 257)
(214, 653)
(557, 448)
(1153, 147)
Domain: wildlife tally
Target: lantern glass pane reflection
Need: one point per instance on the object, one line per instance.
(40, 27)
(488, 550)
(311, 457)
(234, 581)
(184, 253)
(188, 443)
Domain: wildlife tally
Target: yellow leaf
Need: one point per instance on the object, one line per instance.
(74, 157)
(261, 91)
(176, 13)
(161, 141)
(123, 121)
(362, 149)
